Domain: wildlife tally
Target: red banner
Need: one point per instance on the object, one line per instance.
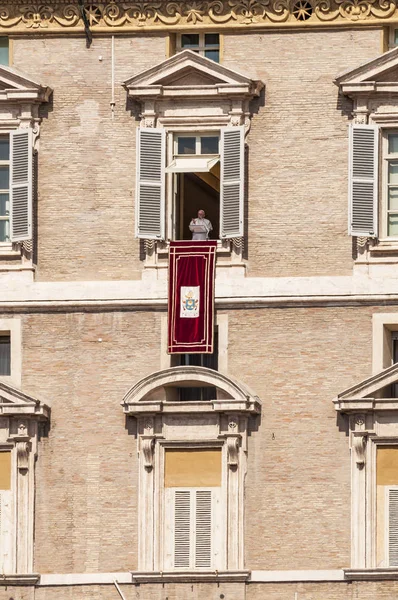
(191, 297)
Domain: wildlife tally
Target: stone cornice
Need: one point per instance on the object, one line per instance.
(62, 15)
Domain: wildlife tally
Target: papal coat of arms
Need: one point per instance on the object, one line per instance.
(189, 301)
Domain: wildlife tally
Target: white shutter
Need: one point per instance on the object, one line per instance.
(232, 181)
(363, 177)
(150, 194)
(182, 529)
(392, 526)
(203, 529)
(5, 531)
(21, 176)
(195, 539)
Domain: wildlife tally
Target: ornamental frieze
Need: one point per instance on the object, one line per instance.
(20, 16)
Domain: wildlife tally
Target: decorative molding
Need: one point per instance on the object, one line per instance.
(65, 15)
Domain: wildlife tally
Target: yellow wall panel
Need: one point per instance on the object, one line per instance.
(5, 470)
(387, 466)
(192, 468)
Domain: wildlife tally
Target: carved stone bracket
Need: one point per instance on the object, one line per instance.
(233, 443)
(23, 447)
(359, 446)
(147, 447)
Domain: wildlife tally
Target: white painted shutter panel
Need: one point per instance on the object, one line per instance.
(182, 529)
(150, 195)
(363, 178)
(203, 529)
(5, 531)
(21, 177)
(232, 181)
(393, 527)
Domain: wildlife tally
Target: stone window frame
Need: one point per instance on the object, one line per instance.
(20, 99)
(222, 422)
(372, 423)
(230, 93)
(20, 418)
(13, 326)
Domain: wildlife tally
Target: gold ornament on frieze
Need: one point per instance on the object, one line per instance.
(37, 16)
(155, 14)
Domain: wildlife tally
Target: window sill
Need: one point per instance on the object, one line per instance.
(19, 579)
(189, 576)
(378, 574)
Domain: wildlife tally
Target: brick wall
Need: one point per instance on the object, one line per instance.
(297, 189)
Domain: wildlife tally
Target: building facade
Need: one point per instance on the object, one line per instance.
(268, 469)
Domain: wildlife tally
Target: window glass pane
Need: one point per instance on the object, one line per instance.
(4, 52)
(213, 55)
(4, 230)
(209, 145)
(5, 355)
(212, 39)
(186, 145)
(393, 198)
(393, 143)
(393, 225)
(4, 148)
(189, 40)
(392, 172)
(394, 350)
(4, 177)
(396, 37)
(4, 205)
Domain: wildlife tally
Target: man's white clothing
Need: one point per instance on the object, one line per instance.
(201, 235)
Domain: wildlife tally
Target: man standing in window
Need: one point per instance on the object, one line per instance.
(200, 227)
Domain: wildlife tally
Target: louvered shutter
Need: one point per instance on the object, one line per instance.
(182, 529)
(21, 177)
(150, 195)
(5, 531)
(232, 181)
(203, 528)
(393, 526)
(363, 177)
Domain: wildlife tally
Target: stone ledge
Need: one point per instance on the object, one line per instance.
(388, 573)
(190, 576)
(19, 579)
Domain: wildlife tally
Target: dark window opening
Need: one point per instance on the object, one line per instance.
(198, 191)
(5, 355)
(210, 361)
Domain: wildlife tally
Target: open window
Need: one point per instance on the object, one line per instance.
(196, 183)
(206, 171)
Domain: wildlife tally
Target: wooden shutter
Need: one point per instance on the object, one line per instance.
(393, 526)
(150, 195)
(363, 177)
(5, 531)
(232, 181)
(21, 176)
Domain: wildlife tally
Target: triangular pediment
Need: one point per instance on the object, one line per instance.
(16, 85)
(191, 71)
(14, 402)
(371, 75)
(372, 387)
